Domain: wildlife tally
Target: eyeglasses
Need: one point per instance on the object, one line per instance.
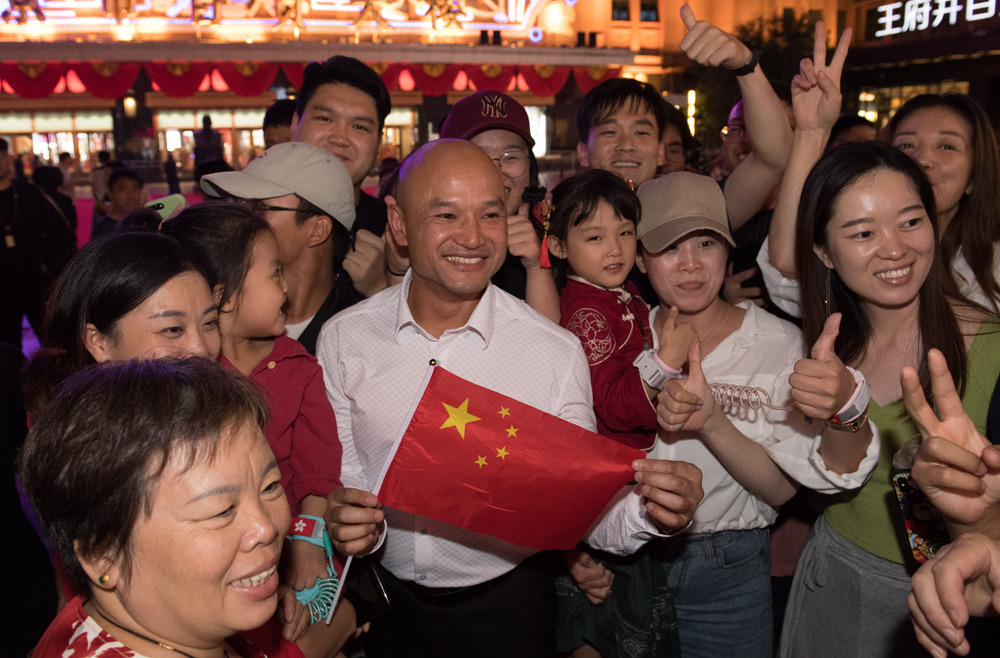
(733, 132)
(512, 163)
(260, 206)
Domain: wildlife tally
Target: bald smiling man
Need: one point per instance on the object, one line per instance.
(455, 592)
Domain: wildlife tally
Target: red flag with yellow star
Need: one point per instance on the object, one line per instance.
(485, 462)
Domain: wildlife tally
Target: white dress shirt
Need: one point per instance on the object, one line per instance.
(374, 357)
(761, 355)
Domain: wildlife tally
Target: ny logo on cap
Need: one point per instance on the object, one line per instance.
(495, 107)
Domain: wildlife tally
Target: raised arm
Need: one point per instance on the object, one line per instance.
(540, 287)
(816, 104)
(756, 177)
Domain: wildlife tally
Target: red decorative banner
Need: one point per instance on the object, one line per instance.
(32, 79)
(389, 72)
(433, 79)
(493, 77)
(485, 462)
(544, 79)
(588, 77)
(247, 78)
(106, 79)
(294, 71)
(178, 79)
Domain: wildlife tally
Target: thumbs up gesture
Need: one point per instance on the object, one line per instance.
(686, 404)
(708, 45)
(822, 385)
(522, 241)
(675, 340)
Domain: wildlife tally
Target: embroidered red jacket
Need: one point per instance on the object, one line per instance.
(613, 326)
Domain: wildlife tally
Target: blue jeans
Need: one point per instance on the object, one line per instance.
(721, 584)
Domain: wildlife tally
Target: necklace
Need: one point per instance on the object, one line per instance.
(715, 327)
(147, 638)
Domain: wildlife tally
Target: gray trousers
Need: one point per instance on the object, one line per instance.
(847, 602)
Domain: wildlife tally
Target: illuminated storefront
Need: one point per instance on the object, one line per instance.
(175, 60)
(923, 46)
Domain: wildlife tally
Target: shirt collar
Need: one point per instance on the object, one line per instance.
(623, 295)
(579, 279)
(481, 322)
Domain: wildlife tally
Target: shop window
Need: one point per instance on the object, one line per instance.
(619, 10)
(649, 12)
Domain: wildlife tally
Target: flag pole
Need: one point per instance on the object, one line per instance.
(381, 477)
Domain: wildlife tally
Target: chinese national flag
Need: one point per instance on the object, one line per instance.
(482, 461)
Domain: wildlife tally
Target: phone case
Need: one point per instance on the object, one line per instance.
(926, 531)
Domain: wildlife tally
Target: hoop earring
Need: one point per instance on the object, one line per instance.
(826, 300)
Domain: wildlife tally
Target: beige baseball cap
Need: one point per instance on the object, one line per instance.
(313, 173)
(677, 204)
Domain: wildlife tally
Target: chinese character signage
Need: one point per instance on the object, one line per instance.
(920, 15)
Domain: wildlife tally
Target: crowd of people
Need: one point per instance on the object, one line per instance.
(218, 391)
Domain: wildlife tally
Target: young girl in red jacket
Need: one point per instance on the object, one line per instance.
(592, 234)
(238, 254)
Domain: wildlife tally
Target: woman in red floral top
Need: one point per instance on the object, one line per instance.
(158, 489)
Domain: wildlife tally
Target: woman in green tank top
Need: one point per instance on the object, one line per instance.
(867, 247)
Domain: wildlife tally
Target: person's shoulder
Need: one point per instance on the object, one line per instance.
(514, 314)
(74, 632)
(289, 348)
(373, 312)
(985, 330)
(28, 191)
(768, 324)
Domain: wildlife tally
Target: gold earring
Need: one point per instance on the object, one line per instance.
(826, 301)
(103, 580)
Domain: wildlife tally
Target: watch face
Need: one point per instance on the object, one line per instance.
(852, 426)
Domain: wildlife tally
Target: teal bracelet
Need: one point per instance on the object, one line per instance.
(319, 597)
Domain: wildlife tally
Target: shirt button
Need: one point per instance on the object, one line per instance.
(271, 365)
(423, 577)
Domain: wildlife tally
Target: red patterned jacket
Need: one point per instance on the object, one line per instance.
(613, 326)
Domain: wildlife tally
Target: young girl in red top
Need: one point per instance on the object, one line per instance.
(238, 254)
(592, 234)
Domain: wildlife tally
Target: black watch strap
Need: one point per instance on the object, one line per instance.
(755, 54)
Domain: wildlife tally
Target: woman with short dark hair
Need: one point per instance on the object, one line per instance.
(156, 486)
(124, 296)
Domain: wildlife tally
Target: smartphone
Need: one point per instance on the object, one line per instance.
(168, 206)
(926, 531)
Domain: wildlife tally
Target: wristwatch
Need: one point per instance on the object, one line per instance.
(650, 370)
(748, 68)
(852, 426)
(852, 417)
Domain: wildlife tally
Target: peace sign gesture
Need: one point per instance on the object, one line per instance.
(816, 89)
(955, 466)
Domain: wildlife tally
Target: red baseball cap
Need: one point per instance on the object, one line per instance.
(486, 110)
